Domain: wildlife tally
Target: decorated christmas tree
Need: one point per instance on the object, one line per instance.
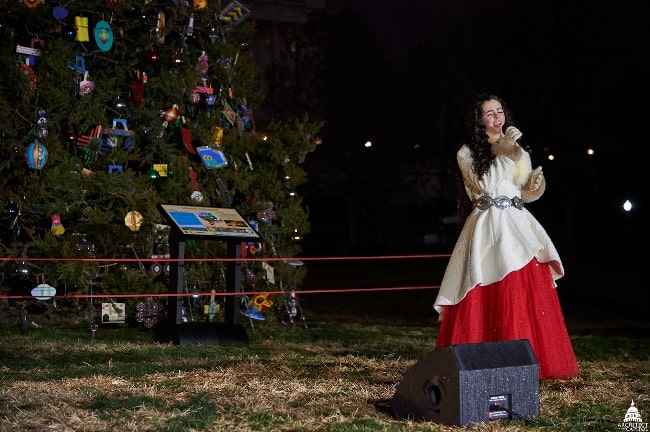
(109, 108)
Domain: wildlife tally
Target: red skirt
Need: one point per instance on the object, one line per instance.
(523, 305)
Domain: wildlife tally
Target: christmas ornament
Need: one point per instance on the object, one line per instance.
(29, 76)
(216, 135)
(213, 36)
(211, 309)
(197, 196)
(160, 28)
(186, 135)
(81, 29)
(200, 4)
(170, 115)
(202, 66)
(153, 174)
(43, 292)
(41, 130)
(93, 144)
(32, 3)
(36, 155)
(234, 13)
(252, 312)
(59, 13)
(133, 220)
(32, 52)
(103, 35)
(189, 30)
(262, 302)
(116, 168)
(148, 312)
(161, 169)
(86, 86)
(212, 158)
(57, 226)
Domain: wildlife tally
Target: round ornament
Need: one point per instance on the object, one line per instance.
(36, 155)
(133, 220)
(59, 13)
(103, 35)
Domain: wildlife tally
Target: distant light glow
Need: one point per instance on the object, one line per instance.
(627, 206)
(368, 144)
(590, 152)
(551, 157)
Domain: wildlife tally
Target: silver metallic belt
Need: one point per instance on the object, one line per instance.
(501, 202)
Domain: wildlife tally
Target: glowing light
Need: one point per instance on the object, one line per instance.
(627, 206)
(368, 144)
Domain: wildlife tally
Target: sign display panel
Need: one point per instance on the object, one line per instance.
(209, 222)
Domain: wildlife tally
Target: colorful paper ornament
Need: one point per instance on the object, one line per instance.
(161, 169)
(32, 52)
(86, 86)
(81, 28)
(41, 131)
(36, 155)
(28, 74)
(170, 115)
(60, 13)
(160, 27)
(103, 35)
(133, 220)
(262, 302)
(43, 292)
(57, 226)
(212, 158)
(186, 135)
(234, 13)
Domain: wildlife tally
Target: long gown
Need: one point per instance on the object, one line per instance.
(500, 282)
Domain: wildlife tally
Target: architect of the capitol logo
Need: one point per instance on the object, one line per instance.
(632, 420)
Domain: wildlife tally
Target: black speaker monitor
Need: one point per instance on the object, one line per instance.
(470, 383)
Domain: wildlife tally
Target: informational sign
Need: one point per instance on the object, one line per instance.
(209, 222)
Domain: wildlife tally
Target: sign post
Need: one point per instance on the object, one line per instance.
(205, 223)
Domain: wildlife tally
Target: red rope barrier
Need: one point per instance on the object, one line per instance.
(240, 293)
(230, 294)
(340, 258)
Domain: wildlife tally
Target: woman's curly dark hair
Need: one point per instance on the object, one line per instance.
(477, 140)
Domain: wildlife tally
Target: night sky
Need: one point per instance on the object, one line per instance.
(575, 74)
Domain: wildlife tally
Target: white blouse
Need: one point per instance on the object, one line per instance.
(494, 242)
